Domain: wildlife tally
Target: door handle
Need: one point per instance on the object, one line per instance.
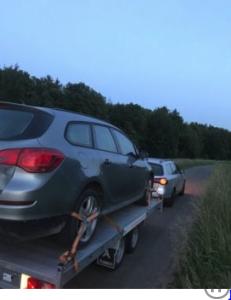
(107, 162)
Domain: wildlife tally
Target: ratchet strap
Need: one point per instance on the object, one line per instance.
(149, 192)
(113, 224)
(70, 255)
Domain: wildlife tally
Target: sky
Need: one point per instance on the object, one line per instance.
(173, 53)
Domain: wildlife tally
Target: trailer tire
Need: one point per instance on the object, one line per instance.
(132, 240)
(119, 253)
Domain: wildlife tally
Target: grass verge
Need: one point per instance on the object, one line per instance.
(185, 163)
(204, 260)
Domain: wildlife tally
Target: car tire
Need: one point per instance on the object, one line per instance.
(132, 240)
(83, 207)
(183, 190)
(168, 202)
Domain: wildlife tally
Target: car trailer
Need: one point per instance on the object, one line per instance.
(36, 264)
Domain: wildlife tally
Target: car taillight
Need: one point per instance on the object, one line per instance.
(162, 181)
(33, 160)
(33, 283)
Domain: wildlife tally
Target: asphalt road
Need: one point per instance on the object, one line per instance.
(152, 264)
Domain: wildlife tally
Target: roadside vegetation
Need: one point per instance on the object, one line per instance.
(159, 131)
(204, 259)
(188, 163)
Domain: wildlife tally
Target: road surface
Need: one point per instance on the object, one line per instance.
(151, 266)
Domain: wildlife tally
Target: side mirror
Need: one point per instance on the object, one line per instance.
(143, 154)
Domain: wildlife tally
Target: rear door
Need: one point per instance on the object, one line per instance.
(180, 178)
(171, 179)
(174, 179)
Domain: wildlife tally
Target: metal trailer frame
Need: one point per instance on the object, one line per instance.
(40, 258)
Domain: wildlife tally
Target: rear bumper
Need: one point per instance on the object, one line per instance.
(31, 229)
(36, 196)
(23, 210)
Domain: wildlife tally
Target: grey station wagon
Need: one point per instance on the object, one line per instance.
(54, 162)
(169, 180)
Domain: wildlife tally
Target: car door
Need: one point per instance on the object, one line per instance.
(111, 171)
(171, 178)
(134, 169)
(177, 177)
(181, 178)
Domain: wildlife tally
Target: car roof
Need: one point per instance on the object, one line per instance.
(75, 116)
(60, 113)
(158, 160)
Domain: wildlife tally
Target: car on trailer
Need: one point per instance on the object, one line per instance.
(55, 162)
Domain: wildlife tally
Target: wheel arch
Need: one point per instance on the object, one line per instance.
(94, 184)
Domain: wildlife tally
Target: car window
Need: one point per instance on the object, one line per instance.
(126, 146)
(157, 169)
(168, 168)
(104, 139)
(178, 168)
(174, 169)
(79, 134)
(13, 123)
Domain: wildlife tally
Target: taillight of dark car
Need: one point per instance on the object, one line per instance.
(33, 160)
(161, 181)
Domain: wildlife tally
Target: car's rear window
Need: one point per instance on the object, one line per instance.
(23, 122)
(157, 169)
(13, 123)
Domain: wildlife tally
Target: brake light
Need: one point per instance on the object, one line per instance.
(162, 181)
(33, 160)
(9, 157)
(33, 283)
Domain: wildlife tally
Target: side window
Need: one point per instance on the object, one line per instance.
(79, 134)
(178, 169)
(126, 146)
(104, 139)
(174, 170)
(168, 168)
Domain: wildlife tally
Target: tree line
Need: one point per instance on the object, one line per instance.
(161, 132)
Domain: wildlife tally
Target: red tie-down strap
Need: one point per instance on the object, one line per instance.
(70, 255)
(149, 191)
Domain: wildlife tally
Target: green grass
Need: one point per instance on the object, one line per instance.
(204, 258)
(185, 163)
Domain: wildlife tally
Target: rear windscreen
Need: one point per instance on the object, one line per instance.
(13, 123)
(157, 169)
(18, 123)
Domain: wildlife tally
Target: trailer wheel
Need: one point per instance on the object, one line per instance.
(132, 240)
(118, 253)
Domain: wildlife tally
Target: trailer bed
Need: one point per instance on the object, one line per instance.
(40, 258)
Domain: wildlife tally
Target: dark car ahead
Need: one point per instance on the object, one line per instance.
(54, 162)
